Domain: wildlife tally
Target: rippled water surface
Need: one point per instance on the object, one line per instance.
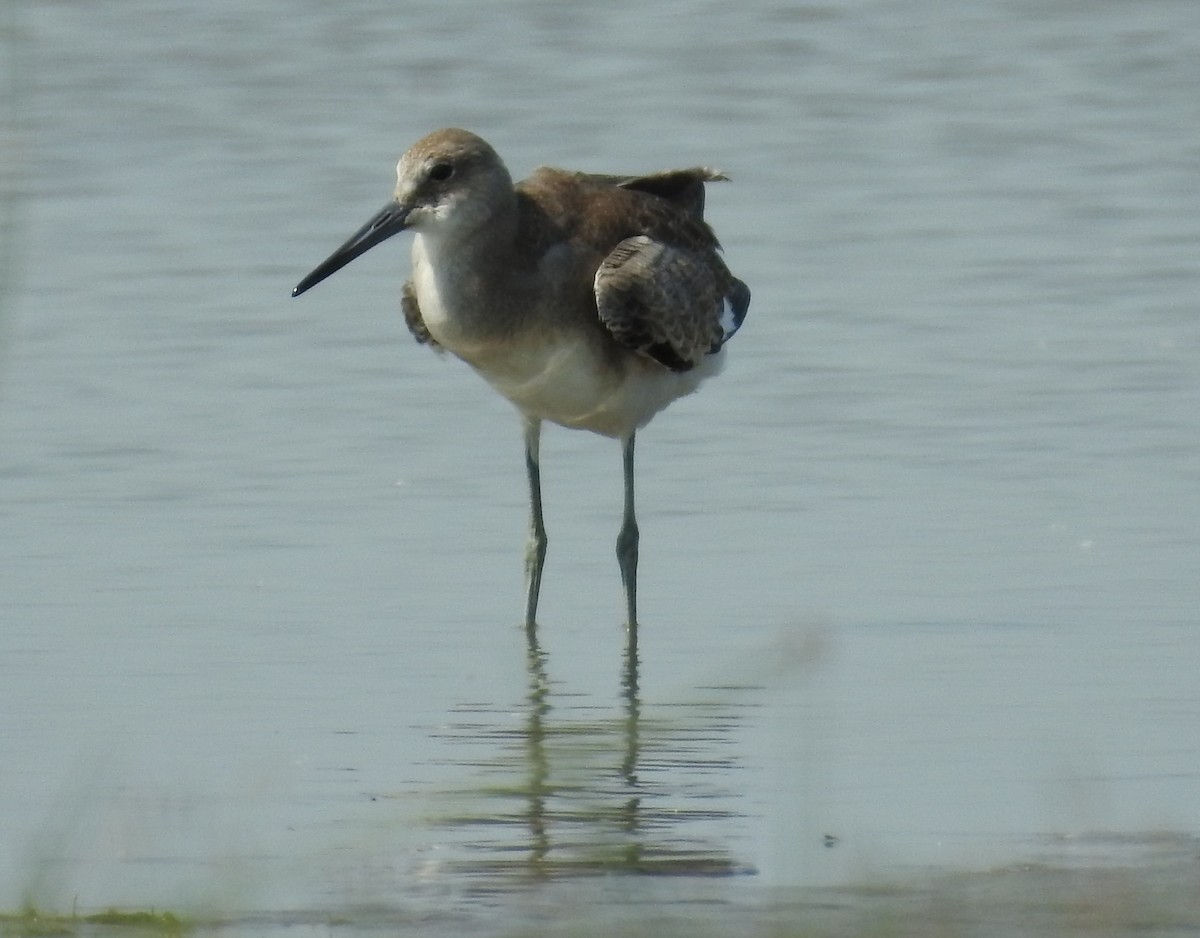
(919, 571)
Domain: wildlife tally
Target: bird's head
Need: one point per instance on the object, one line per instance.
(447, 184)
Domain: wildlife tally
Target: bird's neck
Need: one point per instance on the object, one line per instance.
(461, 276)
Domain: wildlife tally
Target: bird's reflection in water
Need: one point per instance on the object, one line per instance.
(576, 790)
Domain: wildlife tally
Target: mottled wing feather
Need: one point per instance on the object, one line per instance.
(671, 304)
(681, 188)
(603, 210)
(661, 287)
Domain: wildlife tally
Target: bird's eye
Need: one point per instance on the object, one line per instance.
(441, 171)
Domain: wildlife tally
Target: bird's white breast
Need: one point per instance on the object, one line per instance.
(431, 294)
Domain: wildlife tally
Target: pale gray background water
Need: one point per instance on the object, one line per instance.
(919, 570)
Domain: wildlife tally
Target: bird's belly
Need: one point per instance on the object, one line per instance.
(571, 383)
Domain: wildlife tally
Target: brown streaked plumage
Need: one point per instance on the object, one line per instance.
(589, 300)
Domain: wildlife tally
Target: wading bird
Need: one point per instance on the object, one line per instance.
(591, 301)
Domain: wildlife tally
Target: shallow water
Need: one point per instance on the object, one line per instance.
(918, 572)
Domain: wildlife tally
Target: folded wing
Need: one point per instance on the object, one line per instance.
(671, 304)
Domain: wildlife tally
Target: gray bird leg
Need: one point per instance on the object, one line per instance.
(535, 547)
(627, 539)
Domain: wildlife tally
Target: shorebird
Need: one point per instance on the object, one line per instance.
(591, 301)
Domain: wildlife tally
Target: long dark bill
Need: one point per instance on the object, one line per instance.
(390, 220)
